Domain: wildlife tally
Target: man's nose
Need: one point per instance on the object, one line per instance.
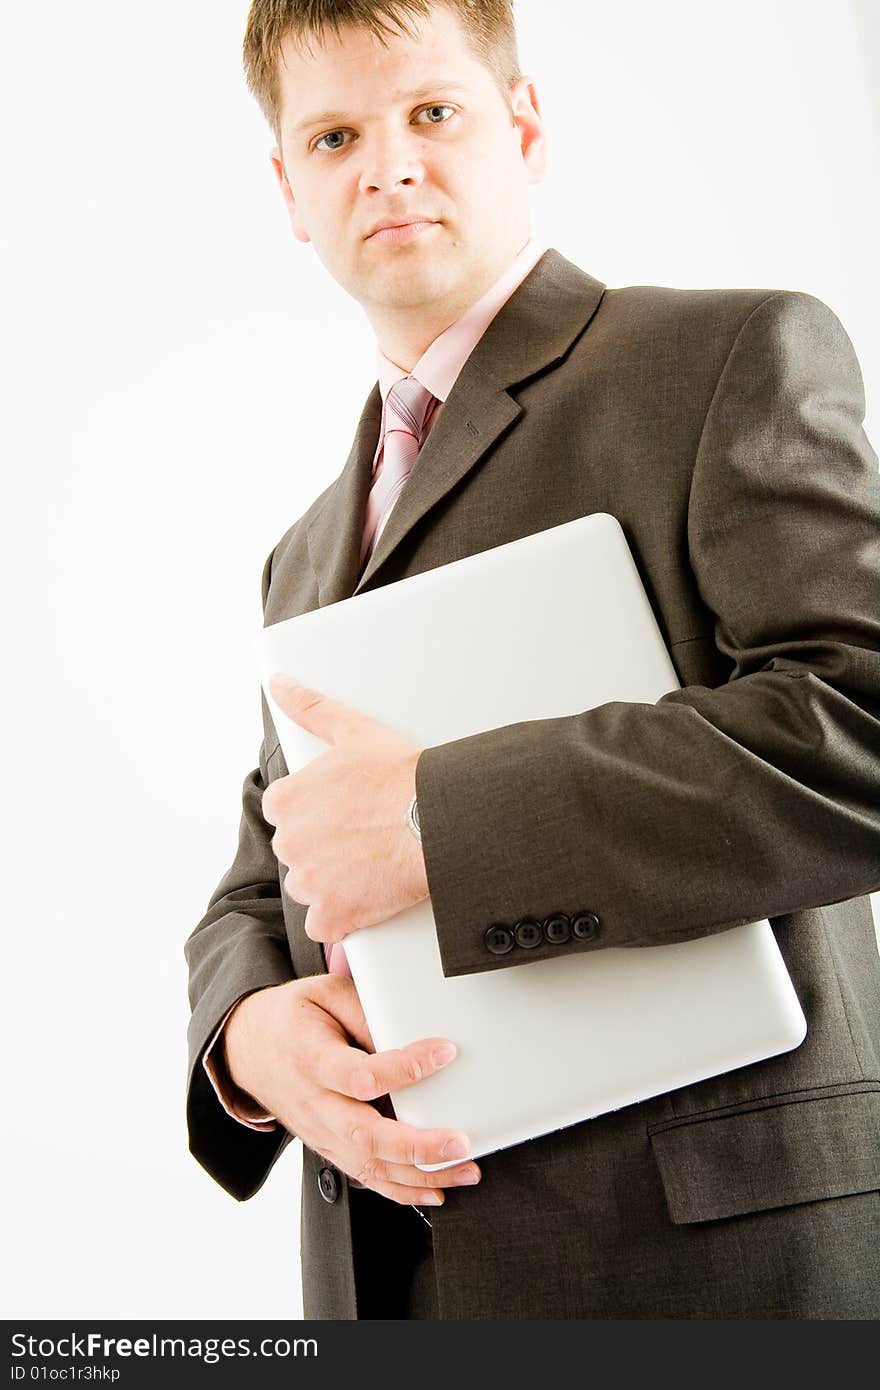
(390, 161)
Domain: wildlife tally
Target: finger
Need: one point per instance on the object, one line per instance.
(369, 1075)
(462, 1175)
(298, 894)
(407, 1196)
(358, 1127)
(406, 1186)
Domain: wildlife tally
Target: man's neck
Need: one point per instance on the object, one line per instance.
(405, 335)
(405, 342)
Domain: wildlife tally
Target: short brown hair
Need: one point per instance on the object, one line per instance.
(488, 26)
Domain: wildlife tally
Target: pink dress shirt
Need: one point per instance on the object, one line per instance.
(437, 370)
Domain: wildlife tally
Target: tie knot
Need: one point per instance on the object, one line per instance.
(407, 405)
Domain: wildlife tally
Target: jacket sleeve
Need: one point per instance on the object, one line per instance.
(235, 1101)
(239, 945)
(712, 807)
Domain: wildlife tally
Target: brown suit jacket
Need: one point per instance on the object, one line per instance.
(723, 428)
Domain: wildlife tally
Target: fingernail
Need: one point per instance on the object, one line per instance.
(443, 1054)
(468, 1175)
(432, 1199)
(456, 1148)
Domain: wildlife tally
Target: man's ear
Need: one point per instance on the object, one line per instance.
(526, 111)
(299, 230)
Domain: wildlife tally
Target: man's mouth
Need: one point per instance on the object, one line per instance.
(398, 233)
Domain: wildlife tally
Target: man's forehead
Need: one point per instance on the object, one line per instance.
(321, 72)
(438, 39)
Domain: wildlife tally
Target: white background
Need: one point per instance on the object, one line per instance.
(165, 340)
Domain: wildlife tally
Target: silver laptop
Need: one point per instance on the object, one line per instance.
(446, 654)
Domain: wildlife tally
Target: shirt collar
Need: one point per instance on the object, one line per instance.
(441, 362)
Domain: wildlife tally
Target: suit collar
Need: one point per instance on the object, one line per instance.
(531, 331)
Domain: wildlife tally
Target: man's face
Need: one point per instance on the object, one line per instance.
(418, 129)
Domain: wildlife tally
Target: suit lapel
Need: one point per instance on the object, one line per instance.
(335, 532)
(535, 327)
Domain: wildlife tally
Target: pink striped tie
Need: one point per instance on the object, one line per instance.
(406, 409)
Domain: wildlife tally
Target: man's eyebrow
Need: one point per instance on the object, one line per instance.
(430, 89)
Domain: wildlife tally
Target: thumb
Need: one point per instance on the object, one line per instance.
(311, 710)
(348, 1010)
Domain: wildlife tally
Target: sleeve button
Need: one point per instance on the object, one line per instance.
(528, 933)
(557, 929)
(499, 940)
(585, 926)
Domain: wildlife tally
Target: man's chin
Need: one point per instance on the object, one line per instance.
(408, 281)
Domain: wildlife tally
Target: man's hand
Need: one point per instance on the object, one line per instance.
(340, 820)
(289, 1046)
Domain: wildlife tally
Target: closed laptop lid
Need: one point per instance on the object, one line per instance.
(546, 626)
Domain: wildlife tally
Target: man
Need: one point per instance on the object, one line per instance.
(723, 428)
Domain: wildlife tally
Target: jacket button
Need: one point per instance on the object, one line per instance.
(499, 940)
(556, 929)
(585, 926)
(528, 933)
(328, 1184)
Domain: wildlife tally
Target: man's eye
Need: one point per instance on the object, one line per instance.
(337, 137)
(431, 112)
(331, 135)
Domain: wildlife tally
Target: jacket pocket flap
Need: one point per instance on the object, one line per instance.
(784, 1152)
